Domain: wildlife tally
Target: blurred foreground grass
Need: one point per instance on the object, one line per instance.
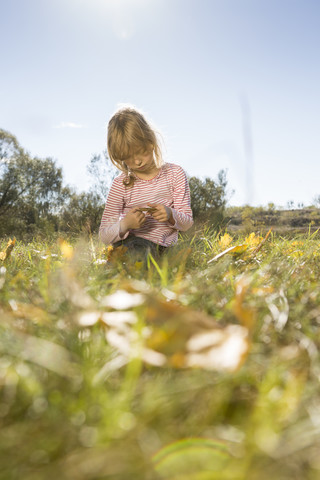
(197, 366)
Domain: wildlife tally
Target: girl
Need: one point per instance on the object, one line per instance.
(150, 201)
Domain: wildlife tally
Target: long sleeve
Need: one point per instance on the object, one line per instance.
(109, 231)
(181, 211)
(169, 187)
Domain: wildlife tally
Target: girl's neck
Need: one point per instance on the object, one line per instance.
(148, 174)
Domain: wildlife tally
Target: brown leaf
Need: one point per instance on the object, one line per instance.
(29, 312)
(244, 314)
(116, 254)
(189, 338)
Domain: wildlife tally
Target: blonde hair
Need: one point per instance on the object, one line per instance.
(128, 133)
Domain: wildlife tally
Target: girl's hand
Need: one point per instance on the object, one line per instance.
(161, 213)
(134, 219)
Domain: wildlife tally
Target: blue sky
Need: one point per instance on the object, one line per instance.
(214, 75)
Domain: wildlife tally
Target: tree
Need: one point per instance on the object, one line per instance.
(209, 197)
(316, 201)
(82, 213)
(102, 172)
(30, 187)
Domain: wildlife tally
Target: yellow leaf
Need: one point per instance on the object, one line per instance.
(6, 253)
(66, 249)
(252, 239)
(225, 240)
(178, 360)
(107, 251)
(256, 250)
(297, 243)
(239, 249)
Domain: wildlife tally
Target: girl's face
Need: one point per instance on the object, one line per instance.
(141, 161)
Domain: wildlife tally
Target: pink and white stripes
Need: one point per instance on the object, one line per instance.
(169, 187)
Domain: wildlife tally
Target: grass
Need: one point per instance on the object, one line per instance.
(178, 368)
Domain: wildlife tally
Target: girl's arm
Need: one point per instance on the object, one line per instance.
(109, 231)
(181, 211)
(115, 225)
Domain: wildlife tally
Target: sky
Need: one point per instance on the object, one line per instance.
(230, 84)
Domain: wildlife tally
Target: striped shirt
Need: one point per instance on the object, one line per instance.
(169, 187)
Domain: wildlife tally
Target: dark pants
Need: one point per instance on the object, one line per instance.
(141, 246)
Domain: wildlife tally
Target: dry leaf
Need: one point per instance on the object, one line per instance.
(189, 338)
(122, 300)
(87, 319)
(223, 349)
(173, 334)
(6, 253)
(256, 250)
(45, 353)
(29, 311)
(116, 254)
(244, 314)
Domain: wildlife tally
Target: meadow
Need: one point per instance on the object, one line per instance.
(203, 364)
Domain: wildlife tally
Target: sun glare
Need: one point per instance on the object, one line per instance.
(124, 17)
